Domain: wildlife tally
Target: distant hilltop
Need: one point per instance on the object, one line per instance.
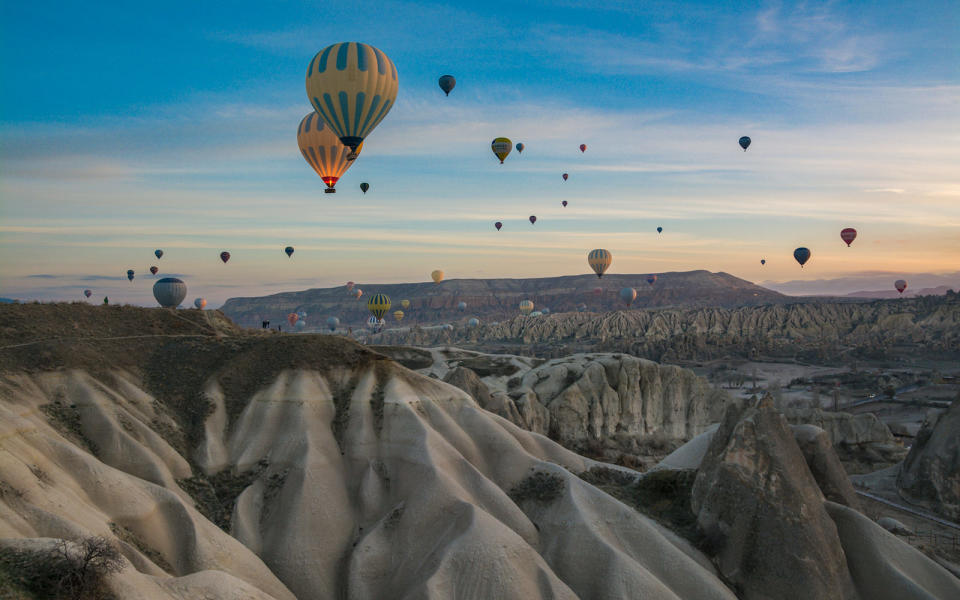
(498, 299)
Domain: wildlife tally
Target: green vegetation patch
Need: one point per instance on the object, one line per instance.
(65, 418)
(60, 572)
(539, 487)
(216, 495)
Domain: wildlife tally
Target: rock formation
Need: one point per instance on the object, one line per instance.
(930, 474)
(862, 441)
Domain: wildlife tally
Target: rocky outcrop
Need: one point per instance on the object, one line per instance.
(930, 475)
(824, 465)
(862, 441)
(754, 479)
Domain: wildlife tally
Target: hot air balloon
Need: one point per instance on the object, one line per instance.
(375, 324)
(848, 235)
(597, 291)
(224, 256)
(323, 151)
(169, 292)
(536, 313)
(545, 310)
(599, 260)
(659, 229)
(300, 325)
(153, 270)
(292, 318)
(437, 276)
(763, 261)
(200, 303)
(563, 203)
(302, 314)
(364, 187)
(533, 219)
(357, 292)
(651, 279)
(582, 308)
(900, 284)
(501, 146)
(583, 147)
(352, 86)
(520, 147)
(158, 253)
(462, 306)
(802, 255)
(628, 295)
(405, 304)
(744, 143)
(378, 305)
(498, 225)
(447, 83)
(332, 323)
(349, 286)
(398, 315)
(87, 293)
(526, 307)
(473, 322)
(565, 176)
(130, 274)
(289, 251)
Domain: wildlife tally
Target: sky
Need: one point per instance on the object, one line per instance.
(126, 127)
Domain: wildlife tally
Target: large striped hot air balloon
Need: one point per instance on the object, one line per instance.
(352, 86)
(526, 307)
(599, 260)
(501, 146)
(323, 151)
(378, 305)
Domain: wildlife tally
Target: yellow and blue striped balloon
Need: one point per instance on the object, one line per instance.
(599, 260)
(378, 305)
(323, 150)
(526, 307)
(352, 86)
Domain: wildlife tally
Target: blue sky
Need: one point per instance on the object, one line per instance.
(127, 127)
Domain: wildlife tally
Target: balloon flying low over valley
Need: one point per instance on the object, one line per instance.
(740, 134)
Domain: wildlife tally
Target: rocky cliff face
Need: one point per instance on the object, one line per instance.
(930, 474)
(497, 299)
(880, 329)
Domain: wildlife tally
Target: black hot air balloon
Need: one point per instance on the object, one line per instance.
(87, 293)
(224, 256)
(130, 274)
(447, 83)
(364, 187)
(763, 261)
(564, 203)
(802, 255)
(289, 250)
(533, 219)
(744, 143)
(659, 229)
(498, 225)
(158, 253)
(153, 270)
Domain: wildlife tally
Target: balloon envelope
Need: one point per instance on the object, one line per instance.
(565, 176)
(224, 256)
(352, 86)
(300, 325)
(378, 305)
(437, 276)
(292, 318)
(564, 203)
(289, 250)
(405, 304)
(533, 219)
(848, 235)
(583, 147)
(332, 323)
(169, 292)
(158, 253)
(349, 286)
(526, 307)
(763, 261)
(900, 284)
(744, 143)
(364, 187)
(130, 274)
(520, 147)
(659, 229)
(501, 147)
(447, 83)
(599, 260)
(802, 255)
(498, 225)
(473, 322)
(398, 315)
(323, 151)
(87, 293)
(357, 292)
(628, 295)
(651, 279)
(200, 303)
(153, 270)
(462, 306)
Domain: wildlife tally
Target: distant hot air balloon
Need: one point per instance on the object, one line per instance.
(405, 304)
(375, 324)
(302, 314)
(802, 255)
(900, 284)
(597, 291)
(628, 295)
(526, 307)
(763, 261)
(169, 292)
(599, 260)
(563, 203)
(498, 225)
(398, 315)
(659, 229)
(520, 147)
(462, 306)
(357, 292)
(364, 187)
(848, 235)
(378, 305)
(350, 286)
(583, 147)
(565, 176)
(582, 308)
(153, 270)
(332, 323)
(300, 325)
(130, 274)
(533, 219)
(224, 256)
(87, 293)
(437, 276)
(323, 151)
(447, 83)
(545, 310)
(289, 251)
(200, 303)
(158, 253)
(651, 279)
(501, 146)
(292, 318)
(473, 322)
(745, 143)
(536, 313)
(352, 86)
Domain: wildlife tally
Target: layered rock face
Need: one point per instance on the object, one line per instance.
(930, 475)
(823, 330)
(862, 441)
